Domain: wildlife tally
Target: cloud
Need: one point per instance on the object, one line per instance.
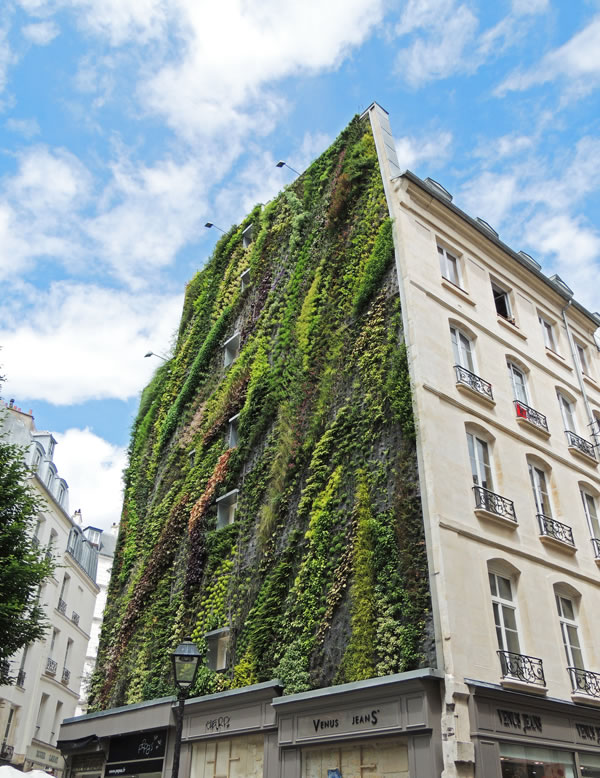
(7, 57)
(79, 342)
(26, 127)
(413, 151)
(93, 469)
(41, 33)
(577, 62)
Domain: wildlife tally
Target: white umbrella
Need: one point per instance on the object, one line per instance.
(8, 771)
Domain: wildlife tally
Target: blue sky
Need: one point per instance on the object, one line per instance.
(127, 124)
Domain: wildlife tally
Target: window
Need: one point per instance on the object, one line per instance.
(226, 506)
(232, 349)
(591, 513)
(36, 460)
(233, 437)
(568, 628)
(519, 383)
(51, 445)
(449, 266)
(217, 643)
(50, 479)
(501, 302)
(548, 332)
(55, 634)
(480, 462)
(582, 358)
(462, 349)
(540, 491)
(567, 409)
(505, 613)
(245, 280)
(247, 236)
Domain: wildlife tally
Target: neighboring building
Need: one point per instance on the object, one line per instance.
(104, 541)
(505, 378)
(48, 672)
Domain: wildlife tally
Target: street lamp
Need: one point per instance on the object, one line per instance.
(186, 659)
(154, 354)
(281, 163)
(216, 226)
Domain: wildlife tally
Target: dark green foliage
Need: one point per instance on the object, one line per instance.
(323, 575)
(23, 567)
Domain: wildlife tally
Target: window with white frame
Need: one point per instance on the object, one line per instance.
(479, 456)
(226, 507)
(462, 349)
(518, 382)
(591, 514)
(548, 333)
(568, 628)
(449, 266)
(539, 484)
(567, 409)
(582, 357)
(36, 459)
(501, 301)
(505, 613)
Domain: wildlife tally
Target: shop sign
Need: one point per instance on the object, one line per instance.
(524, 722)
(588, 732)
(140, 745)
(353, 720)
(46, 757)
(134, 768)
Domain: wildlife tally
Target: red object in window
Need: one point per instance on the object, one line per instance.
(521, 411)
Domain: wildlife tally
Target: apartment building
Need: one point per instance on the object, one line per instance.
(505, 375)
(48, 672)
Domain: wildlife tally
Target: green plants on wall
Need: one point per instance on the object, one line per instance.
(319, 571)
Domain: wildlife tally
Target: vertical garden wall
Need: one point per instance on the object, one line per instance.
(322, 577)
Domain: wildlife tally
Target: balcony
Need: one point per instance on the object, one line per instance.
(51, 666)
(21, 679)
(531, 418)
(556, 533)
(75, 618)
(585, 682)
(6, 751)
(465, 380)
(66, 676)
(581, 447)
(521, 669)
(487, 502)
(62, 606)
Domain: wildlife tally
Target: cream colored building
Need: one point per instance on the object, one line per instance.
(48, 672)
(506, 391)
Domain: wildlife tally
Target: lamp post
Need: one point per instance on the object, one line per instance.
(186, 659)
(216, 226)
(154, 354)
(281, 163)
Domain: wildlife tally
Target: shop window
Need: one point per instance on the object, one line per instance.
(380, 758)
(231, 349)
(226, 507)
(449, 266)
(502, 302)
(229, 757)
(520, 761)
(217, 653)
(590, 765)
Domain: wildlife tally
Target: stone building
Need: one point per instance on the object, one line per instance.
(505, 377)
(48, 672)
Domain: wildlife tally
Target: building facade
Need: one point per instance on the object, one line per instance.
(48, 672)
(505, 376)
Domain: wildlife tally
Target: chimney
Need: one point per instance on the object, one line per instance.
(77, 517)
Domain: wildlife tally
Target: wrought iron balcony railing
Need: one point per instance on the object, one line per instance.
(75, 618)
(530, 414)
(585, 681)
(51, 666)
(519, 667)
(66, 676)
(21, 675)
(62, 606)
(6, 751)
(494, 503)
(465, 377)
(581, 444)
(596, 547)
(554, 529)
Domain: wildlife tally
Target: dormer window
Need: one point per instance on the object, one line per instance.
(226, 506)
(232, 349)
(247, 236)
(51, 445)
(218, 649)
(245, 280)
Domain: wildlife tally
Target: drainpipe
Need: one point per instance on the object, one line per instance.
(578, 372)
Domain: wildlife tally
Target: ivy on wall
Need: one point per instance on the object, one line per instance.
(322, 578)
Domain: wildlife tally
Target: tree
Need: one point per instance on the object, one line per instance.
(23, 566)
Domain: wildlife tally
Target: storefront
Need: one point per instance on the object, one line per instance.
(523, 736)
(46, 758)
(385, 727)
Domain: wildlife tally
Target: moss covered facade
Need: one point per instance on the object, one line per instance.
(322, 577)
